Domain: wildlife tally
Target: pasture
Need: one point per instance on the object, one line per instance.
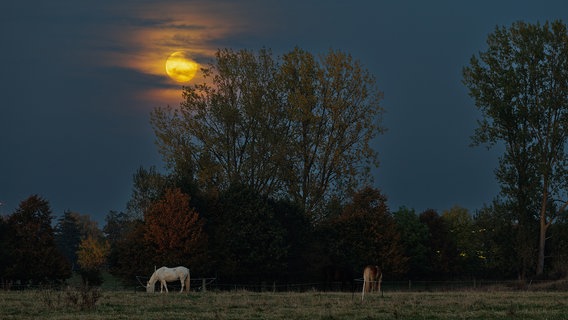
(51, 304)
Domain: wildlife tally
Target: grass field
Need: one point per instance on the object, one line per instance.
(49, 304)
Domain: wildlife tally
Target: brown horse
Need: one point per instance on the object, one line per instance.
(372, 277)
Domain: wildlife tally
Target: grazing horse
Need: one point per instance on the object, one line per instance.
(165, 274)
(372, 277)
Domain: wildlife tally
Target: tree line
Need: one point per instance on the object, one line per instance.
(267, 178)
(241, 236)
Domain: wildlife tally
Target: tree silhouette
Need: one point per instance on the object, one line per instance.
(33, 253)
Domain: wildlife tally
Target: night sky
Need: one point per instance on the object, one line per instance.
(79, 79)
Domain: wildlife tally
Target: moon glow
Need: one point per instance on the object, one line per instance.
(180, 67)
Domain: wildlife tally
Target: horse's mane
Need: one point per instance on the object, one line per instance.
(154, 277)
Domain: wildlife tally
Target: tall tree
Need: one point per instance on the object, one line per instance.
(230, 130)
(296, 127)
(520, 85)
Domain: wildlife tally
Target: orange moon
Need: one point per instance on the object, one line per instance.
(180, 67)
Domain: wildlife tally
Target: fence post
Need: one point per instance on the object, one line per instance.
(203, 284)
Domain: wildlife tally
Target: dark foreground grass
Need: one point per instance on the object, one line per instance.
(47, 304)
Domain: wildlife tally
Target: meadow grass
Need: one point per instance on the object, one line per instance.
(50, 304)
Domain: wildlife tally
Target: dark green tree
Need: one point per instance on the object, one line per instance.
(68, 236)
(520, 85)
(413, 237)
(117, 224)
(558, 248)
(34, 256)
(501, 250)
(131, 255)
(366, 233)
(443, 253)
(5, 249)
(149, 186)
(298, 234)
(461, 230)
(247, 241)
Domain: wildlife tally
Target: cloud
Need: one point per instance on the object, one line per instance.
(139, 36)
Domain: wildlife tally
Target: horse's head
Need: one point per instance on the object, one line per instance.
(149, 287)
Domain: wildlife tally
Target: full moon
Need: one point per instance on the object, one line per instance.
(180, 67)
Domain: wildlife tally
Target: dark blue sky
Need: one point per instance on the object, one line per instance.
(79, 79)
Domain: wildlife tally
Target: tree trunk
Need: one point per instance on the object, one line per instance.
(541, 244)
(542, 230)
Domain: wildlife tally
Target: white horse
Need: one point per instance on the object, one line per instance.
(165, 274)
(372, 277)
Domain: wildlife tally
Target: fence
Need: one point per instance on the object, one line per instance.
(212, 284)
(356, 285)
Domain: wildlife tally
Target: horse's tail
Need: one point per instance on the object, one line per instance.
(188, 280)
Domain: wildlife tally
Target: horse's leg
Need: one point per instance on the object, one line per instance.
(163, 284)
(364, 287)
(181, 279)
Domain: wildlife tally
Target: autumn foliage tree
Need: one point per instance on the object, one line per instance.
(71, 229)
(175, 230)
(91, 257)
